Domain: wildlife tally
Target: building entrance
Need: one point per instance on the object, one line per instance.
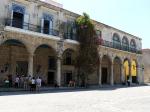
(104, 75)
(134, 79)
(68, 77)
(51, 78)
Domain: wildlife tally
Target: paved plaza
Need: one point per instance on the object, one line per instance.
(133, 99)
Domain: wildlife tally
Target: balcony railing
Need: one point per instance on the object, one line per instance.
(71, 36)
(120, 47)
(30, 27)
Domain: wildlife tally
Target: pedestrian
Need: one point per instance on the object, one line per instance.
(128, 81)
(33, 84)
(25, 83)
(55, 84)
(16, 82)
(30, 82)
(6, 83)
(38, 83)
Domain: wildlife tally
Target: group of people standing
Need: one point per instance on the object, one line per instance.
(28, 83)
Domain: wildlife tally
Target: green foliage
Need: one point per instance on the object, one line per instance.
(88, 51)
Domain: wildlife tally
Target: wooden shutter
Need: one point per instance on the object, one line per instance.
(26, 22)
(42, 25)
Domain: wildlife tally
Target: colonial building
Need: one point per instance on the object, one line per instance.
(31, 44)
(146, 65)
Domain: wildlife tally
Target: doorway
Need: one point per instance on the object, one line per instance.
(104, 75)
(134, 79)
(17, 20)
(68, 77)
(51, 78)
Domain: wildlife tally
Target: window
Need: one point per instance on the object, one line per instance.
(133, 46)
(47, 24)
(17, 16)
(116, 41)
(125, 44)
(70, 32)
(68, 58)
(99, 35)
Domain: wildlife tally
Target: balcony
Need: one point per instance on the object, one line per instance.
(30, 27)
(71, 36)
(120, 47)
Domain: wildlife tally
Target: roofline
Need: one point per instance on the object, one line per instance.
(118, 29)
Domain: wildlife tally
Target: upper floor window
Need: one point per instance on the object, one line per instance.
(70, 30)
(99, 35)
(116, 41)
(68, 57)
(18, 8)
(125, 43)
(133, 45)
(47, 24)
(17, 15)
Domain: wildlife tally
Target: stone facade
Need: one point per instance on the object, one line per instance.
(35, 47)
(146, 65)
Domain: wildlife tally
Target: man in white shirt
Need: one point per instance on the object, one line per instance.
(33, 84)
(17, 82)
(38, 83)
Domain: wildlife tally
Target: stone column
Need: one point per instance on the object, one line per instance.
(130, 74)
(58, 75)
(30, 65)
(112, 74)
(122, 74)
(100, 74)
(138, 73)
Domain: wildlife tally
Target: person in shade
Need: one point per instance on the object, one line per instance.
(38, 84)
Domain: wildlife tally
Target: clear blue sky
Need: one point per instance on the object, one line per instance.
(132, 16)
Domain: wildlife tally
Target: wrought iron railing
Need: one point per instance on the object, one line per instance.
(30, 27)
(119, 46)
(71, 36)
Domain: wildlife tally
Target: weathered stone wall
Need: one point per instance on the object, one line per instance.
(146, 62)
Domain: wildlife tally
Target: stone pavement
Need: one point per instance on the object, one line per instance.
(127, 99)
(65, 88)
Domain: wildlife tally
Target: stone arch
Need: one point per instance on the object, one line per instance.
(46, 45)
(73, 48)
(125, 43)
(44, 62)
(117, 70)
(105, 69)
(126, 66)
(116, 41)
(116, 37)
(134, 71)
(14, 58)
(16, 41)
(133, 45)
